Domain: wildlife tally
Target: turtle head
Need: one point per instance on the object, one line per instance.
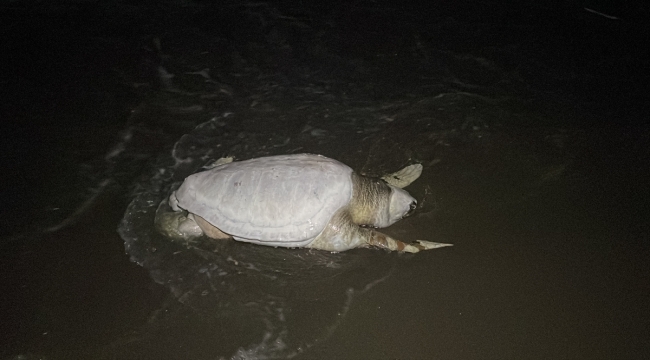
(378, 204)
(400, 205)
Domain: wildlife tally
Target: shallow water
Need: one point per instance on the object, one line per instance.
(539, 184)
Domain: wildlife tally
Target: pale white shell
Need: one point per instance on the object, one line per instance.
(286, 199)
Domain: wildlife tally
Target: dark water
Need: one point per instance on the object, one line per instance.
(530, 121)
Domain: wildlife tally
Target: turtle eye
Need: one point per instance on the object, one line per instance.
(412, 207)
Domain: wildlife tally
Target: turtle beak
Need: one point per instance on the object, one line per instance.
(414, 204)
(401, 203)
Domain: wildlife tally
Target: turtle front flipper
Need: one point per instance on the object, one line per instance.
(404, 177)
(342, 234)
(424, 245)
(384, 241)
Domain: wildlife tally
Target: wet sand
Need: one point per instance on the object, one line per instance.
(549, 266)
(546, 263)
(542, 191)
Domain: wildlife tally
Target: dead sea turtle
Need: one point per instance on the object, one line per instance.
(298, 200)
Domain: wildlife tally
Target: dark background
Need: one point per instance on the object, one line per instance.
(74, 72)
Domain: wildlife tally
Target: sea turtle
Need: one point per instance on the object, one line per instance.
(300, 200)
